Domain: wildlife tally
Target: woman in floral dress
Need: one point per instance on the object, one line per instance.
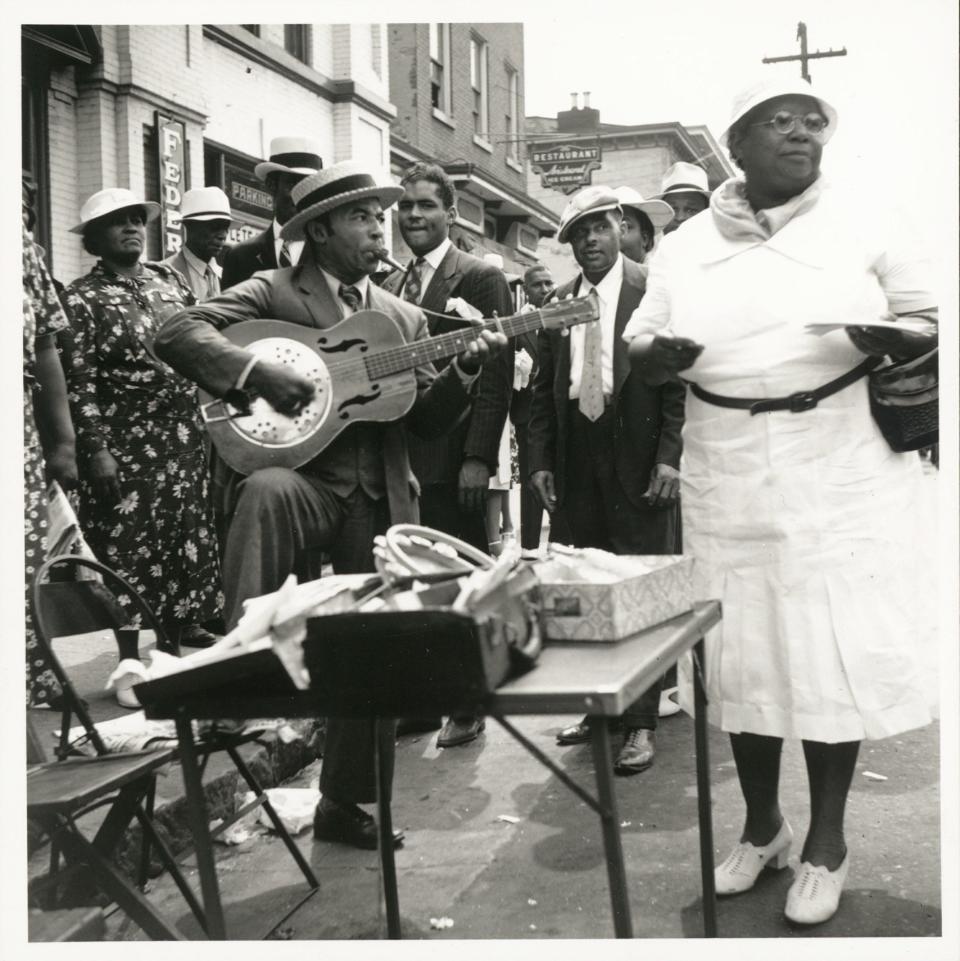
(43, 318)
(144, 492)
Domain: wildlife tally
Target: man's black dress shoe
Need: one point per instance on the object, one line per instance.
(637, 753)
(197, 636)
(460, 730)
(347, 824)
(418, 725)
(579, 733)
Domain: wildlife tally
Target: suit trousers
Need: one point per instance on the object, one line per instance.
(440, 509)
(531, 510)
(596, 512)
(284, 521)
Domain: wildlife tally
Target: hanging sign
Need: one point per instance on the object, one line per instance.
(565, 166)
(171, 162)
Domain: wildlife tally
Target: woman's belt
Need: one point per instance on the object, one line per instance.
(796, 403)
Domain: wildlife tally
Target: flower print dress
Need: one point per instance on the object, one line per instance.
(160, 535)
(42, 315)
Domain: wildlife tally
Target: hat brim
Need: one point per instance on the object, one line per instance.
(214, 216)
(564, 231)
(659, 212)
(706, 194)
(388, 195)
(828, 111)
(151, 207)
(266, 167)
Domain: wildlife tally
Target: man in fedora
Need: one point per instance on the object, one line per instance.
(291, 159)
(686, 189)
(281, 520)
(641, 219)
(604, 446)
(205, 215)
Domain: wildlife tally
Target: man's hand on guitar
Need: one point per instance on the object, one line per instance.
(485, 347)
(282, 388)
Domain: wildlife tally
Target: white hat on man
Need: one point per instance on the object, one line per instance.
(685, 178)
(660, 213)
(205, 203)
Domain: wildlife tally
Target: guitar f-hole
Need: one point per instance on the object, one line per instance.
(359, 400)
(342, 345)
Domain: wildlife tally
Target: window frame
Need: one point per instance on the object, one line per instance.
(441, 91)
(480, 73)
(297, 41)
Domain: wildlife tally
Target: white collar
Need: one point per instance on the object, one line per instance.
(334, 284)
(435, 257)
(609, 287)
(200, 266)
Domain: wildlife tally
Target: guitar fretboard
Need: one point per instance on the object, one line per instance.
(397, 359)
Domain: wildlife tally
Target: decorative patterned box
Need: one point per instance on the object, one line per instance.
(587, 611)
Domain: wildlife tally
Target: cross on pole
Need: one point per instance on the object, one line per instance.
(804, 57)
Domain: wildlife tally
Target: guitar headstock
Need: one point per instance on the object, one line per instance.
(560, 314)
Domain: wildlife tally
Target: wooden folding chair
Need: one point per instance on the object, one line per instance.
(59, 793)
(63, 607)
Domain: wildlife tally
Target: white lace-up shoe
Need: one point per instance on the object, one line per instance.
(745, 862)
(814, 895)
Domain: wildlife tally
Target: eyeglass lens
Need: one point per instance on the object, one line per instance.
(784, 122)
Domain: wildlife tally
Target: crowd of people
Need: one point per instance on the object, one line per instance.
(799, 519)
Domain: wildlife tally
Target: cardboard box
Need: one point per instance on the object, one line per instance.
(588, 611)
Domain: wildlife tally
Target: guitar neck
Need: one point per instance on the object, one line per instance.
(420, 352)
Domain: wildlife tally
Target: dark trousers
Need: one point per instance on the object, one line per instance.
(531, 511)
(596, 512)
(440, 509)
(283, 524)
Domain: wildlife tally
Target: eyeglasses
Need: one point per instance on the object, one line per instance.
(785, 123)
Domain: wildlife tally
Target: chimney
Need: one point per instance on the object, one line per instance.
(586, 99)
(578, 120)
(574, 101)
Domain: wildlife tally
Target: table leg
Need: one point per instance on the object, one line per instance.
(610, 824)
(200, 827)
(704, 810)
(382, 736)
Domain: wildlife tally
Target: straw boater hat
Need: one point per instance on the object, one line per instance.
(109, 201)
(290, 155)
(205, 203)
(334, 186)
(685, 178)
(765, 89)
(590, 200)
(660, 213)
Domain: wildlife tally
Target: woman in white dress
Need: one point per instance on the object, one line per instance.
(799, 516)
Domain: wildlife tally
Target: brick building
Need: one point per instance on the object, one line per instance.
(161, 109)
(458, 91)
(634, 156)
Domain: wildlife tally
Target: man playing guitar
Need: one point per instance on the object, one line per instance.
(282, 520)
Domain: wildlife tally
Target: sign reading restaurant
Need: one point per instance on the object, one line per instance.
(565, 166)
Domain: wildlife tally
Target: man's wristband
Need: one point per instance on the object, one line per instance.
(245, 373)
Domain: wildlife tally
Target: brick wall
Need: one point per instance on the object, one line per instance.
(409, 55)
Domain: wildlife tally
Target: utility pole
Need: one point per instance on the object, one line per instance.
(804, 57)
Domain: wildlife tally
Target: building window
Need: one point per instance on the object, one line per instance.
(478, 81)
(513, 115)
(296, 41)
(440, 68)
(254, 28)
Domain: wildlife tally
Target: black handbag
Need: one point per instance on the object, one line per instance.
(904, 399)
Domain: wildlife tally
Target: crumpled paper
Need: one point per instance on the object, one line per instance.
(457, 305)
(522, 366)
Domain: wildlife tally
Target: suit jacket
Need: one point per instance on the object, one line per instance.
(478, 434)
(243, 260)
(648, 419)
(190, 342)
(523, 398)
(179, 263)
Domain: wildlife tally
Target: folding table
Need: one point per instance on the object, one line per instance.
(596, 679)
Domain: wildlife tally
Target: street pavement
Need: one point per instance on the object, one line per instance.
(501, 848)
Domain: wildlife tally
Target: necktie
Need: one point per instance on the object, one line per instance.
(284, 259)
(351, 297)
(591, 377)
(213, 284)
(414, 285)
